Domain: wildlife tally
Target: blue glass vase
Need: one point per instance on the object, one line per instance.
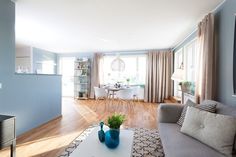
(112, 138)
(101, 133)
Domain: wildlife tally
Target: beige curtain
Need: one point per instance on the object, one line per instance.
(95, 72)
(158, 76)
(206, 74)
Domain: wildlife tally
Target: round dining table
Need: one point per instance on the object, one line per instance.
(111, 90)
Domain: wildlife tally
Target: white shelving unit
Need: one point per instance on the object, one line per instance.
(82, 78)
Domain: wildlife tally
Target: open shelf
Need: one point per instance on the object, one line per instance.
(82, 79)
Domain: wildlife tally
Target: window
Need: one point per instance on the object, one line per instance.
(48, 67)
(188, 56)
(135, 70)
(66, 69)
(190, 60)
(179, 56)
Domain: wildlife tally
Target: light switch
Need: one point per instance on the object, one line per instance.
(0, 85)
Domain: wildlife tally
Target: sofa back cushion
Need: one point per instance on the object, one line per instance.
(208, 106)
(215, 130)
(222, 109)
(225, 110)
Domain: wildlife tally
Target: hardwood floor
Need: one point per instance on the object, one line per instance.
(50, 139)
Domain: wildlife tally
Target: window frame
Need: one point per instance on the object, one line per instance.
(136, 56)
(184, 51)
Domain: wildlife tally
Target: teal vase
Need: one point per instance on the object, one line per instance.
(101, 133)
(112, 138)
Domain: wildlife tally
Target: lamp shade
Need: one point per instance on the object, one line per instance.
(178, 75)
(118, 65)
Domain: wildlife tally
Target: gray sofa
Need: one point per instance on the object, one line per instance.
(177, 144)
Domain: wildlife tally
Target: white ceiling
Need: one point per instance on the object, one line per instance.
(107, 25)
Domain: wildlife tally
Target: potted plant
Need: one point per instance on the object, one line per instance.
(185, 86)
(112, 135)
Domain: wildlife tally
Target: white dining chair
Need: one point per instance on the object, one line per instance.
(100, 93)
(125, 96)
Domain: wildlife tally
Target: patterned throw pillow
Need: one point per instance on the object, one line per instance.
(181, 119)
(205, 107)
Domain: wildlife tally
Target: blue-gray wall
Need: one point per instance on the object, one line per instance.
(40, 55)
(225, 19)
(33, 99)
(224, 25)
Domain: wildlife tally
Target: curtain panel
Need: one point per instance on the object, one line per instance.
(206, 74)
(158, 76)
(95, 72)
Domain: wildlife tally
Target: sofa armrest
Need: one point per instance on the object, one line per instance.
(169, 113)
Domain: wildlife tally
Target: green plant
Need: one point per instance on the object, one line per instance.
(185, 83)
(187, 86)
(115, 121)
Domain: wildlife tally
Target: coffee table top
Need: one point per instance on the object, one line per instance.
(92, 147)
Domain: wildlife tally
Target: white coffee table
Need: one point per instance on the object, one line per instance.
(92, 147)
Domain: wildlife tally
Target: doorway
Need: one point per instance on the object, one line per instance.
(67, 71)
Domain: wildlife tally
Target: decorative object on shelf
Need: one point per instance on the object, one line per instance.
(82, 78)
(101, 133)
(112, 136)
(118, 64)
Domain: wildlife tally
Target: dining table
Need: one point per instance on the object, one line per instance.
(111, 90)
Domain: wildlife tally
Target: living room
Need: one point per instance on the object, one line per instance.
(117, 78)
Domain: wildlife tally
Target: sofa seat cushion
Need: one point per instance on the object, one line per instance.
(176, 144)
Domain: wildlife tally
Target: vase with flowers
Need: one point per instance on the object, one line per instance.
(112, 135)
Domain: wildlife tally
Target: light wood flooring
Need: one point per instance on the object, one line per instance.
(50, 139)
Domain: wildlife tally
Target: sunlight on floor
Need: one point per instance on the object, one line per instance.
(50, 140)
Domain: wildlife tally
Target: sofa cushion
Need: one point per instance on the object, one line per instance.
(182, 116)
(215, 130)
(225, 110)
(176, 144)
(210, 107)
